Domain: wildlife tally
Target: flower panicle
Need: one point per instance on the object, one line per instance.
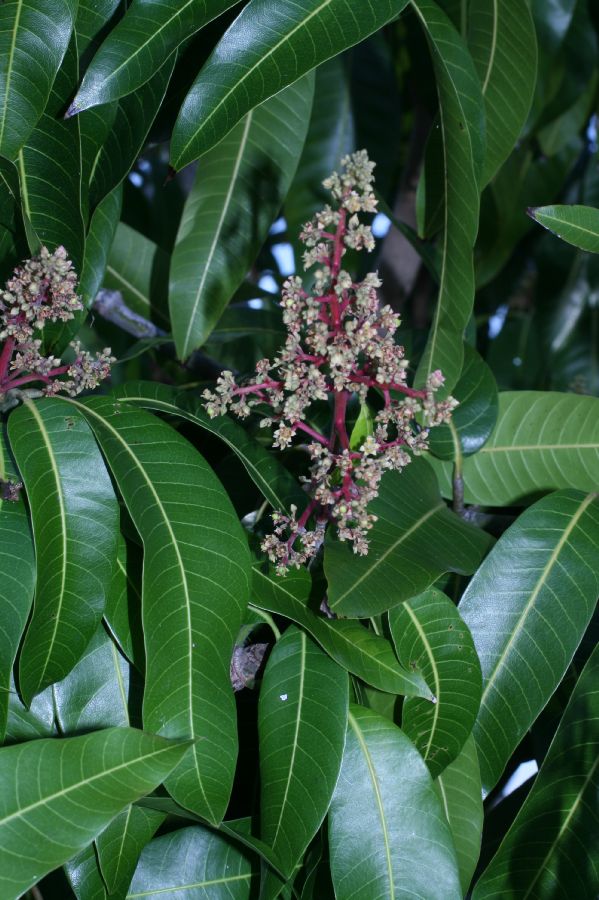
(340, 343)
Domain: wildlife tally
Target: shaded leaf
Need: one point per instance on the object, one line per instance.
(238, 191)
(431, 637)
(462, 126)
(543, 441)
(120, 844)
(528, 607)
(360, 651)
(136, 48)
(69, 790)
(33, 41)
(193, 859)
(75, 523)
(552, 848)
(302, 716)
(99, 240)
(27, 723)
(92, 18)
(415, 539)
(196, 566)
(138, 268)
(387, 830)
(123, 603)
(266, 48)
(460, 792)
(577, 225)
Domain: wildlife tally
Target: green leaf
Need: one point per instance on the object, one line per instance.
(276, 483)
(138, 268)
(474, 419)
(99, 240)
(17, 579)
(92, 18)
(50, 169)
(387, 831)
(543, 441)
(128, 133)
(430, 636)
(364, 426)
(95, 693)
(266, 48)
(33, 41)
(460, 792)
(302, 716)
(84, 875)
(577, 225)
(415, 539)
(75, 526)
(551, 850)
(196, 566)
(123, 603)
(503, 44)
(462, 126)
(26, 724)
(193, 862)
(68, 790)
(135, 49)
(360, 651)
(545, 572)
(120, 844)
(238, 192)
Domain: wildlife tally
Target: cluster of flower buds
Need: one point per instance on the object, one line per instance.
(43, 290)
(340, 342)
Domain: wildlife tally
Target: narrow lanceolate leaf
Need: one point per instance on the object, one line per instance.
(140, 43)
(275, 482)
(430, 636)
(415, 539)
(195, 589)
(462, 126)
(17, 579)
(378, 850)
(302, 717)
(123, 603)
(528, 607)
(552, 849)
(460, 792)
(75, 526)
(360, 651)
(68, 790)
(120, 844)
(577, 225)
(138, 268)
(193, 862)
(92, 16)
(100, 237)
(50, 169)
(543, 441)
(33, 41)
(503, 44)
(223, 223)
(266, 48)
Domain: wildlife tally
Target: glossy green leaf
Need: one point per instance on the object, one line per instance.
(266, 48)
(99, 240)
(387, 830)
(50, 169)
(543, 441)
(92, 18)
(552, 848)
(141, 42)
(28, 723)
(33, 41)
(277, 484)
(68, 790)
(84, 876)
(123, 603)
(503, 44)
(528, 607)
(577, 225)
(128, 133)
(17, 579)
(196, 566)
(238, 192)
(415, 539)
(120, 844)
(462, 126)
(360, 651)
(11, 188)
(193, 862)
(430, 636)
(302, 716)
(474, 419)
(460, 792)
(138, 268)
(75, 526)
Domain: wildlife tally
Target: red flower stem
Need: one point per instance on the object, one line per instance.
(402, 388)
(315, 434)
(301, 523)
(339, 429)
(6, 356)
(258, 388)
(26, 379)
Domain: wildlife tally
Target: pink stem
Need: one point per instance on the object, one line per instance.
(257, 388)
(339, 419)
(17, 382)
(6, 356)
(315, 434)
(393, 386)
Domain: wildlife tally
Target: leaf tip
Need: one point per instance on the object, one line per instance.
(72, 110)
(532, 212)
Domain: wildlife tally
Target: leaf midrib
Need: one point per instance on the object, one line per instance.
(9, 68)
(436, 679)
